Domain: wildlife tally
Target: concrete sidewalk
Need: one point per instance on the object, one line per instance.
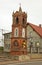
(35, 56)
(26, 58)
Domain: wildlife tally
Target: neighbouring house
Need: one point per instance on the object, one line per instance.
(34, 37)
(7, 42)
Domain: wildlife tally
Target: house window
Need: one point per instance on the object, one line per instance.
(7, 36)
(16, 32)
(7, 46)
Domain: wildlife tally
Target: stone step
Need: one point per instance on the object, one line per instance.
(24, 57)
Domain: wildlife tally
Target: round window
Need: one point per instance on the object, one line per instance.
(16, 43)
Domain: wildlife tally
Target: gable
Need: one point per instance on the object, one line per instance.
(37, 29)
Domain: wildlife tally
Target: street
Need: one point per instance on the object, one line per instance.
(4, 60)
(24, 63)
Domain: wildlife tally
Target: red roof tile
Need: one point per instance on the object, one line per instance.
(36, 28)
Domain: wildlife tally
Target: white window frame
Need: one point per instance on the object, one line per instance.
(16, 32)
(23, 32)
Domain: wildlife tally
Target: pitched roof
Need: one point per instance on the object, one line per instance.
(36, 28)
(7, 33)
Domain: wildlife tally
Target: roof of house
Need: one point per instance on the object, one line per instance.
(7, 33)
(36, 28)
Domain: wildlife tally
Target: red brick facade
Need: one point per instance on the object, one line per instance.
(18, 44)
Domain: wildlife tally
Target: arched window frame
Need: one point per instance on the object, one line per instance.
(16, 32)
(23, 21)
(23, 32)
(17, 20)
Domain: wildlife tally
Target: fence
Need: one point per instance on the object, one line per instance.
(34, 49)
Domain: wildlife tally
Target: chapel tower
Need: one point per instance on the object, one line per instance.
(18, 39)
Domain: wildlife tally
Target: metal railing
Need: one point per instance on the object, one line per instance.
(34, 49)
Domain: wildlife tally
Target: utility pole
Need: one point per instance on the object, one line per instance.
(2, 32)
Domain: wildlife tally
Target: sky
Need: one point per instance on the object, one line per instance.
(33, 8)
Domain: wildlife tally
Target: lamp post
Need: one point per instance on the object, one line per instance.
(38, 47)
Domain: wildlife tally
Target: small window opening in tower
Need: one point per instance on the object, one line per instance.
(23, 21)
(17, 21)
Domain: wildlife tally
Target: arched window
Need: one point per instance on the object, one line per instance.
(16, 32)
(23, 21)
(17, 20)
(23, 32)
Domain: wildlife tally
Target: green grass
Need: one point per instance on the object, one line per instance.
(1, 48)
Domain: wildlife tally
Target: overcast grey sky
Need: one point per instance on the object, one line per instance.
(33, 8)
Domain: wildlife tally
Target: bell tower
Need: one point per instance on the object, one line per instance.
(18, 39)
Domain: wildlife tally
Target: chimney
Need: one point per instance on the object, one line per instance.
(40, 25)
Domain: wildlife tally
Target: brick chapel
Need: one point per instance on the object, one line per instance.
(18, 38)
